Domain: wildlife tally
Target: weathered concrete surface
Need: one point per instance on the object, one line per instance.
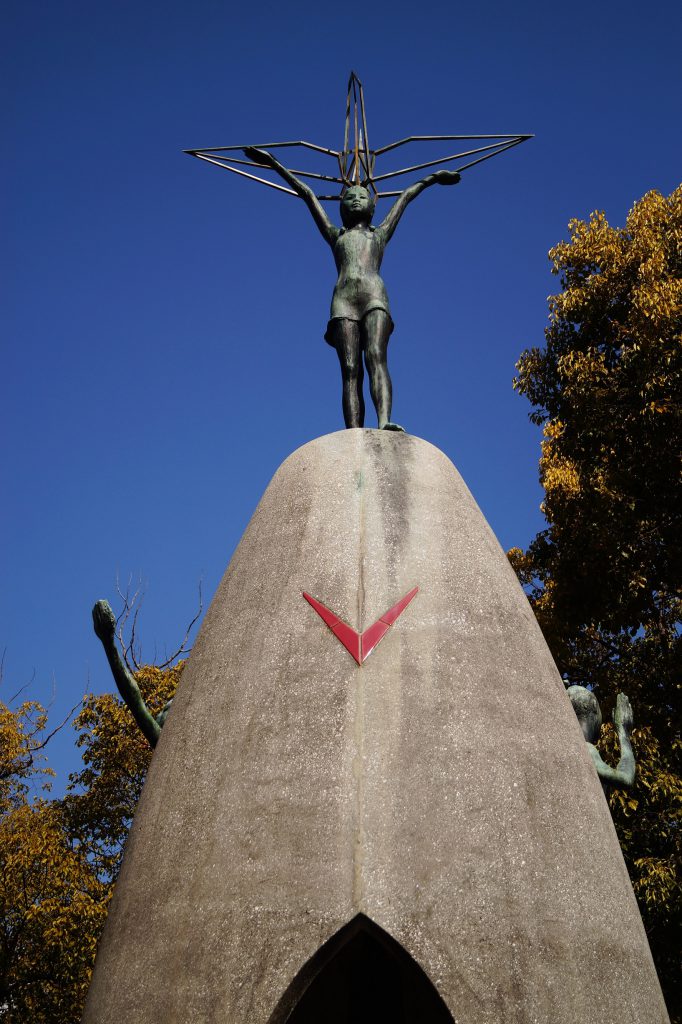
(443, 789)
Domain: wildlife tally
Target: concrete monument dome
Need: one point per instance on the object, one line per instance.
(413, 832)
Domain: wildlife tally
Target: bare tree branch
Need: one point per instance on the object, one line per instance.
(126, 628)
(41, 746)
(26, 759)
(183, 649)
(21, 688)
(131, 606)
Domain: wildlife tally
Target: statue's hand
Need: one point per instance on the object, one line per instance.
(104, 621)
(447, 177)
(259, 156)
(622, 713)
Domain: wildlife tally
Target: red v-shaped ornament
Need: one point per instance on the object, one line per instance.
(361, 645)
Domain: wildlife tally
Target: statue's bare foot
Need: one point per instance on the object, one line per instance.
(393, 426)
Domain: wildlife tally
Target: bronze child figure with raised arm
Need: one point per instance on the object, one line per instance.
(586, 707)
(360, 320)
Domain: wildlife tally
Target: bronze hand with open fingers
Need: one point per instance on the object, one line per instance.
(622, 713)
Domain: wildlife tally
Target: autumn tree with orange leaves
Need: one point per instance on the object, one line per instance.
(52, 903)
(59, 859)
(604, 578)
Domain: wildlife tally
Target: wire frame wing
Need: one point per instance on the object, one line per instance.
(355, 163)
(221, 156)
(487, 151)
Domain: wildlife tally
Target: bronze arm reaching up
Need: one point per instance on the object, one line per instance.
(104, 622)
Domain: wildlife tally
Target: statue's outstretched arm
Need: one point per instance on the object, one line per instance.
(623, 721)
(392, 218)
(104, 622)
(328, 230)
(624, 774)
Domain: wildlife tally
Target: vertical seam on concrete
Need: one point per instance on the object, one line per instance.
(359, 780)
(359, 724)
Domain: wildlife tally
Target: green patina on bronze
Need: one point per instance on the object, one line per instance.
(360, 322)
(104, 622)
(586, 707)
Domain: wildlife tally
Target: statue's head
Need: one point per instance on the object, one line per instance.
(357, 206)
(586, 707)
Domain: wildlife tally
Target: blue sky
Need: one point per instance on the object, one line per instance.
(163, 334)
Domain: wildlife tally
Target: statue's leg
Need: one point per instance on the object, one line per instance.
(376, 330)
(345, 335)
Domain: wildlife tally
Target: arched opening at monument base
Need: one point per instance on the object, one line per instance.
(361, 976)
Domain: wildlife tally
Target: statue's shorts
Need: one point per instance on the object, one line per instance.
(329, 333)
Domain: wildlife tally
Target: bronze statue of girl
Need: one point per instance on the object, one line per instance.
(360, 321)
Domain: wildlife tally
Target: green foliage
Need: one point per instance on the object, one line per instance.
(604, 577)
